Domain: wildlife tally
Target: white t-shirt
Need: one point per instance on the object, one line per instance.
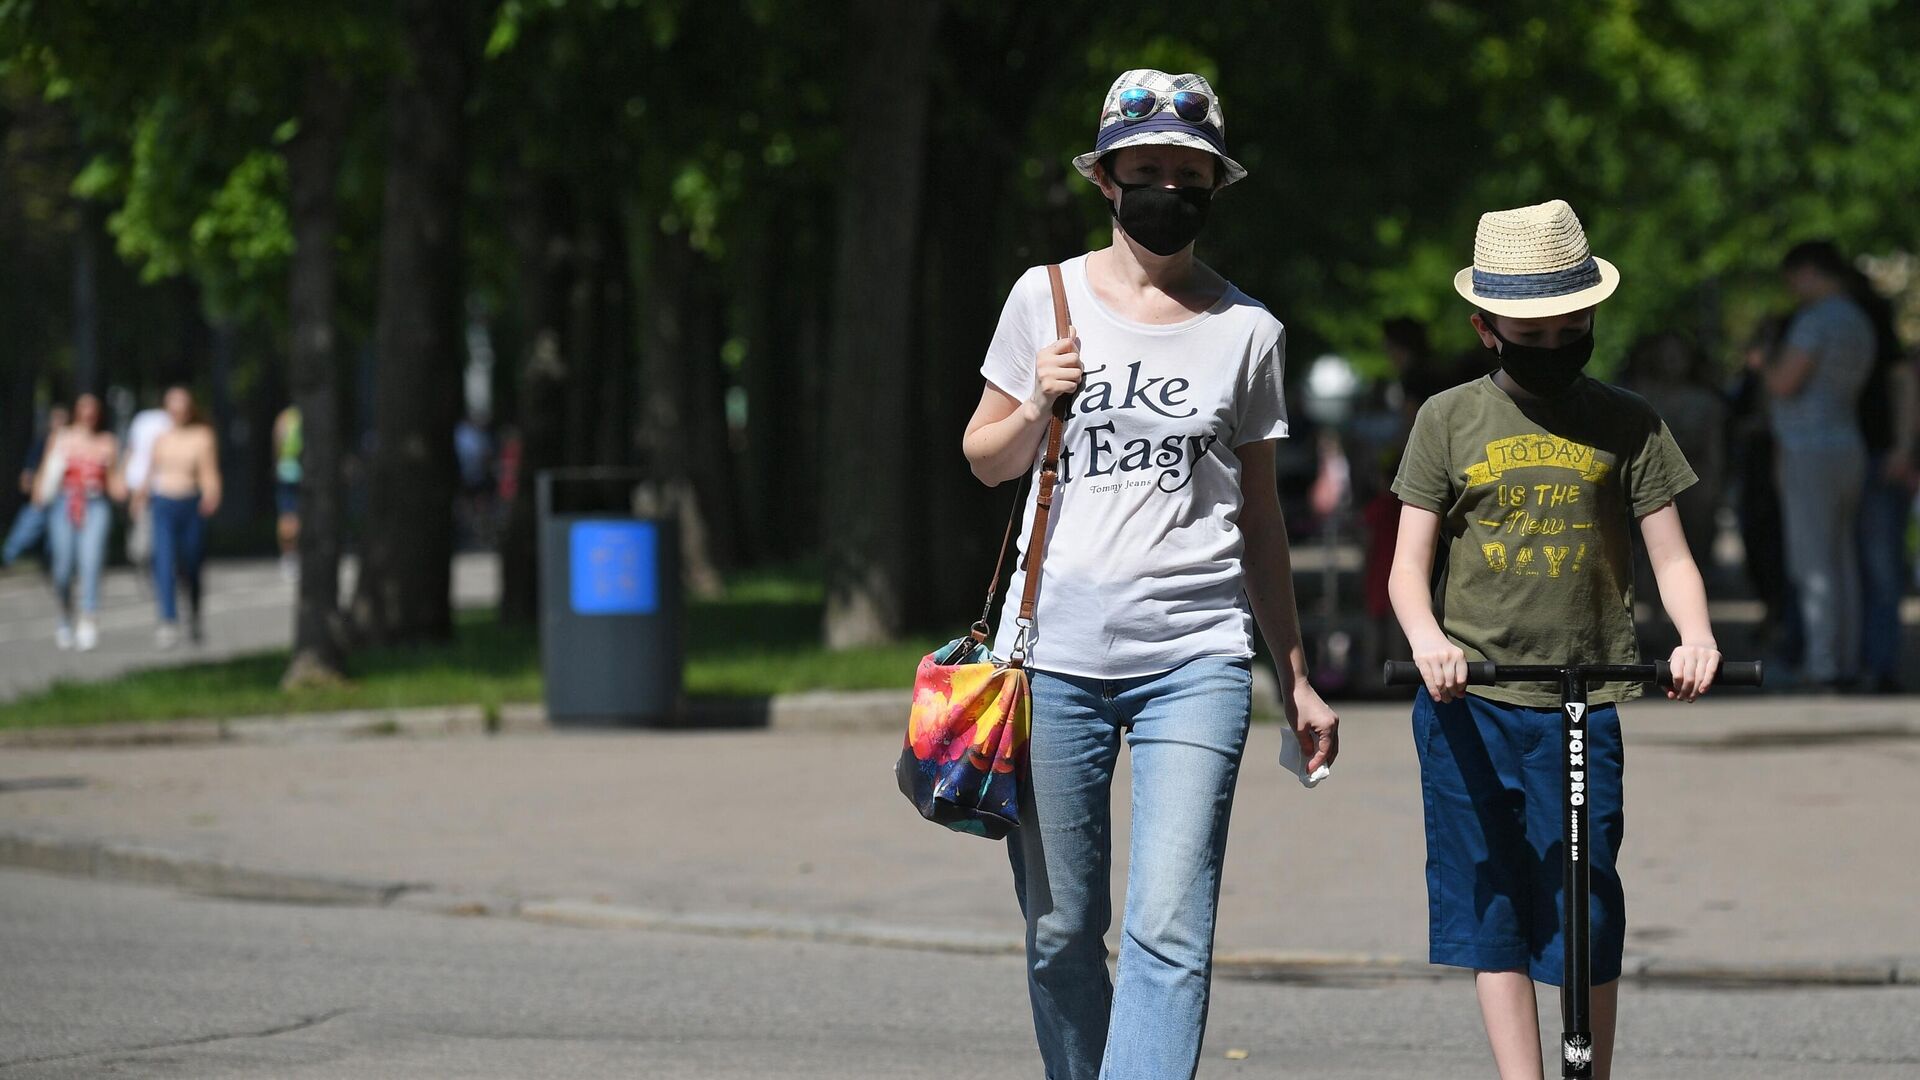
(145, 430)
(1142, 572)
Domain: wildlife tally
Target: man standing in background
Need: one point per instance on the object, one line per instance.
(145, 429)
(1814, 388)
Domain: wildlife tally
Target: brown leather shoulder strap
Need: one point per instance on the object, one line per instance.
(1049, 473)
(1049, 462)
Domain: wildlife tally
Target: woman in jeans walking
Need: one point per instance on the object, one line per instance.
(1167, 546)
(78, 468)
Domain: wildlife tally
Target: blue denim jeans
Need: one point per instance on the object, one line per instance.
(1820, 487)
(83, 546)
(179, 545)
(1186, 729)
(29, 529)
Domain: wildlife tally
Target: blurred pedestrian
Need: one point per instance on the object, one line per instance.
(184, 491)
(1665, 369)
(29, 528)
(147, 426)
(1168, 544)
(288, 441)
(1753, 474)
(1888, 420)
(473, 452)
(79, 470)
(1815, 384)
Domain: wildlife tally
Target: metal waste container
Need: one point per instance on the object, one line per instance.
(611, 619)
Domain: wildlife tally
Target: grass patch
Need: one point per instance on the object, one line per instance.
(759, 639)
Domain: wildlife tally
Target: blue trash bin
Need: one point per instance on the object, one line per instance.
(611, 622)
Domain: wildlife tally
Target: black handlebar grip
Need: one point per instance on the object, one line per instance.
(1407, 673)
(1741, 673)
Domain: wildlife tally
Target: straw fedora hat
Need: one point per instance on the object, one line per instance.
(1148, 107)
(1532, 262)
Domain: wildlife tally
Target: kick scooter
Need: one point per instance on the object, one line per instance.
(1576, 1036)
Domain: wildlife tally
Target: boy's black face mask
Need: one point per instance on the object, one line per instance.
(1543, 371)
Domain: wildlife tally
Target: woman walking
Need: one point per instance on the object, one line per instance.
(183, 490)
(77, 471)
(1166, 516)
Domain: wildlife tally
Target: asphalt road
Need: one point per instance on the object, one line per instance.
(116, 980)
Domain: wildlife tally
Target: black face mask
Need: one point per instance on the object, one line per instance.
(1163, 220)
(1544, 372)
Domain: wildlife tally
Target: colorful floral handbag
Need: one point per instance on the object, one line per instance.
(966, 750)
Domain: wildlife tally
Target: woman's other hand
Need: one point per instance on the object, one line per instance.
(1314, 723)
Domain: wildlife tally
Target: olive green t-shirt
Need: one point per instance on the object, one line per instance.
(1538, 501)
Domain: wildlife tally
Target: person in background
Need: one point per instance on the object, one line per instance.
(473, 451)
(1814, 386)
(1665, 369)
(147, 426)
(75, 478)
(1752, 474)
(29, 527)
(183, 490)
(287, 444)
(1887, 423)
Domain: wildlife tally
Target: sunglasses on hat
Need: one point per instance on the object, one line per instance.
(1140, 102)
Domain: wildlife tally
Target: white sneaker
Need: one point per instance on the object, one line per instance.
(167, 636)
(88, 636)
(63, 636)
(290, 568)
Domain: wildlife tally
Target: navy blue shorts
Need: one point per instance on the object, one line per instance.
(1490, 779)
(286, 497)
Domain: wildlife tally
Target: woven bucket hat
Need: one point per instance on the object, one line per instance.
(1532, 262)
(1123, 123)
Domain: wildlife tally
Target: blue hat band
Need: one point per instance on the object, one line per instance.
(1584, 275)
(1114, 132)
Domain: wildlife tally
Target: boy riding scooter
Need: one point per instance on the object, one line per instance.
(1533, 478)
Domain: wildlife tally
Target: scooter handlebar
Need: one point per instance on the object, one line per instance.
(1486, 673)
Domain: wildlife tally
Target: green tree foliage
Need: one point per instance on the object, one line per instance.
(655, 186)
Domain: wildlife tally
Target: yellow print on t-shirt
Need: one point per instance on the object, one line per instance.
(1543, 514)
(1536, 451)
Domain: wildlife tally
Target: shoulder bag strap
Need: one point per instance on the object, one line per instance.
(1043, 506)
(1049, 478)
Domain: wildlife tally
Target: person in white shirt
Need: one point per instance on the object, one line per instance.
(1167, 546)
(145, 430)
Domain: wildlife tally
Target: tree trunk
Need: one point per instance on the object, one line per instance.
(585, 329)
(614, 438)
(313, 167)
(867, 478)
(405, 588)
(961, 301)
(674, 431)
(86, 301)
(542, 250)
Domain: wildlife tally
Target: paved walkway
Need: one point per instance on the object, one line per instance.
(248, 608)
(1760, 831)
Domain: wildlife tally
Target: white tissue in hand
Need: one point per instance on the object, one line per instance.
(1294, 762)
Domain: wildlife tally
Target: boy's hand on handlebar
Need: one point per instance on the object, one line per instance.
(1693, 668)
(1443, 667)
